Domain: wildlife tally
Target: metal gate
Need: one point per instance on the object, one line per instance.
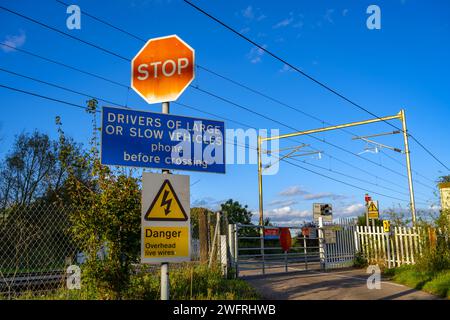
(329, 246)
(253, 254)
(339, 243)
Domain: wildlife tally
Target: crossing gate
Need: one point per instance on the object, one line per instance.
(327, 246)
(339, 243)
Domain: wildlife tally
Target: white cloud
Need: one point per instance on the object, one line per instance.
(207, 202)
(323, 195)
(328, 15)
(285, 213)
(261, 17)
(285, 68)
(14, 41)
(248, 13)
(253, 14)
(354, 209)
(306, 195)
(282, 203)
(284, 22)
(245, 30)
(255, 54)
(292, 191)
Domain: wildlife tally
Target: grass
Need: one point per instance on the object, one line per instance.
(186, 283)
(437, 283)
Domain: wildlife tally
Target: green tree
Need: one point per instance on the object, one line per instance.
(267, 222)
(236, 212)
(399, 217)
(26, 169)
(107, 219)
(34, 169)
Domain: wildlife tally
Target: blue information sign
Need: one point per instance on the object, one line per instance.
(155, 140)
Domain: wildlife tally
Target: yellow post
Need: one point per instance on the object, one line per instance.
(260, 191)
(408, 167)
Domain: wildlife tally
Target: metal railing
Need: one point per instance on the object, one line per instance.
(253, 253)
(332, 245)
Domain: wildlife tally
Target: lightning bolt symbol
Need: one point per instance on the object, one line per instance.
(166, 202)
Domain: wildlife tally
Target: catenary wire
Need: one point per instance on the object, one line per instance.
(124, 58)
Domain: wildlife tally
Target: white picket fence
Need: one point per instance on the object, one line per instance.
(402, 246)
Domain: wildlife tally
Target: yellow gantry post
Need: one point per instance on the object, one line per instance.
(408, 167)
(260, 191)
(400, 116)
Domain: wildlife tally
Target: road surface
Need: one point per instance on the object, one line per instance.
(348, 284)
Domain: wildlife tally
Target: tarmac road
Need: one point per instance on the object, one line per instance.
(350, 284)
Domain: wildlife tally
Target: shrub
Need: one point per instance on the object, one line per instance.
(435, 255)
(106, 223)
(360, 260)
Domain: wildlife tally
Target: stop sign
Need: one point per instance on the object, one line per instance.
(162, 69)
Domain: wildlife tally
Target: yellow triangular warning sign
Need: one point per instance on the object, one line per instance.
(166, 206)
(373, 207)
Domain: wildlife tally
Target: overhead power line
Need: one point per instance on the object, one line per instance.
(223, 99)
(84, 108)
(141, 39)
(64, 33)
(334, 179)
(57, 86)
(63, 65)
(195, 87)
(42, 96)
(334, 171)
(85, 13)
(321, 84)
(311, 136)
(323, 122)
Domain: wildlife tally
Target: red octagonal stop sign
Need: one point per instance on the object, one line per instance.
(162, 69)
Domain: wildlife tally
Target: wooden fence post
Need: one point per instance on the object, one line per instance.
(203, 231)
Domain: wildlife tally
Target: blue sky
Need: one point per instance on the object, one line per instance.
(403, 65)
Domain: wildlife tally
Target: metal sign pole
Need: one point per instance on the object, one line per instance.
(367, 215)
(165, 289)
(388, 246)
